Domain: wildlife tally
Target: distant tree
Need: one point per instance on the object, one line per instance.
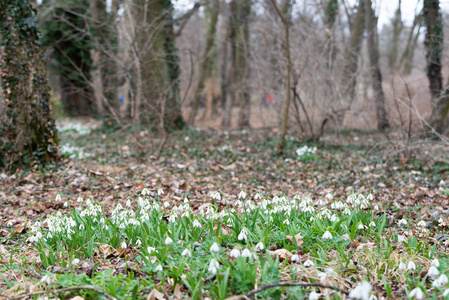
(434, 42)
(66, 32)
(376, 75)
(27, 133)
(397, 29)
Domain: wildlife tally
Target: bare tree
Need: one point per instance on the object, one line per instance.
(376, 75)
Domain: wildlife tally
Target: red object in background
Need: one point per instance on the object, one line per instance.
(269, 99)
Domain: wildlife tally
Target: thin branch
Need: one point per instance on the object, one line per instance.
(186, 17)
(58, 291)
(278, 284)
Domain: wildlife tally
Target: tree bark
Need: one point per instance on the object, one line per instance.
(406, 61)
(397, 29)
(376, 75)
(28, 134)
(434, 43)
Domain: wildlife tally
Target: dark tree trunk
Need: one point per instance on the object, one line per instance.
(28, 134)
(376, 75)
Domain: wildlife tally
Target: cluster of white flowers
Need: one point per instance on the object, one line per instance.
(74, 152)
(305, 150)
(75, 127)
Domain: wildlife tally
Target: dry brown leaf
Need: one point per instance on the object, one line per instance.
(283, 254)
(298, 239)
(177, 291)
(155, 295)
(77, 298)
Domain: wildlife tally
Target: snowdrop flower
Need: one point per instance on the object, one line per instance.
(66, 204)
(168, 241)
(159, 268)
(259, 246)
(435, 263)
(151, 249)
(441, 183)
(124, 246)
(58, 197)
(243, 235)
(79, 200)
(402, 222)
(361, 291)
(196, 223)
(81, 227)
(242, 195)
(166, 204)
(46, 278)
(234, 253)
(314, 296)
(402, 238)
(327, 236)
(75, 262)
(128, 203)
(441, 281)
(286, 221)
(246, 253)
(433, 271)
(216, 196)
(214, 247)
(422, 223)
(376, 207)
(213, 266)
(257, 196)
(160, 192)
(9, 223)
(372, 224)
(88, 202)
(445, 293)
(416, 293)
(329, 197)
(295, 258)
(361, 226)
(138, 242)
(402, 266)
(308, 263)
(145, 192)
(186, 252)
(411, 266)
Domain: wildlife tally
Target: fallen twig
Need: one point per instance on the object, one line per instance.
(58, 291)
(278, 284)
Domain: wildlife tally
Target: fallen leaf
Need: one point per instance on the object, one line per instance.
(155, 295)
(298, 239)
(283, 254)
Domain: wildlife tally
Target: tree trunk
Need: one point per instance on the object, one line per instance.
(406, 61)
(28, 134)
(434, 43)
(397, 29)
(208, 66)
(376, 75)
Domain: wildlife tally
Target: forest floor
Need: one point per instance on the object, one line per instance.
(365, 214)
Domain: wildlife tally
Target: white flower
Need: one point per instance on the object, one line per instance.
(441, 281)
(314, 296)
(234, 253)
(435, 263)
(361, 226)
(58, 197)
(441, 183)
(402, 222)
(286, 221)
(9, 223)
(81, 227)
(66, 204)
(361, 291)
(216, 196)
(440, 220)
(151, 250)
(327, 236)
(46, 278)
(246, 253)
(257, 196)
(372, 224)
(159, 268)
(186, 252)
(259, 246)
(79, 200)
(402, 238)
(196, 223)
(242, 195)
(416, 293)
(160, 192)
(295, 258)
(124, 246)
(128, 203)
(445, 293)
(243, 235)
(214, 247)
(411, 266)
(376, 207)
(168, 241)
(433, 271)
(88, 202)
(166, 204)
(145, 192)
(75, 261)
(422, 223)
(308, 263)
(213, 266)
(329, 196)
(138, 242)
(402, 266)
